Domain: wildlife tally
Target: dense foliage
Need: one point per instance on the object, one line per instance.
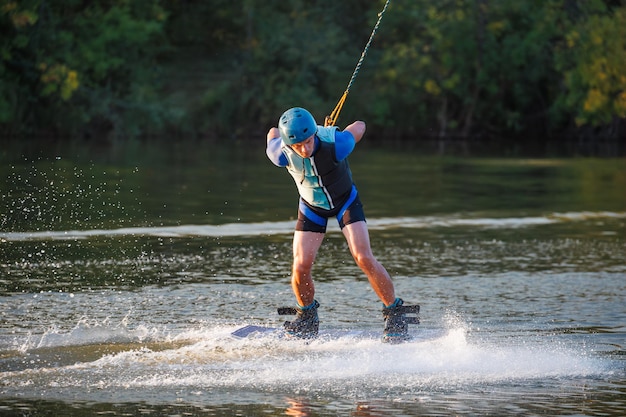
(228, 69)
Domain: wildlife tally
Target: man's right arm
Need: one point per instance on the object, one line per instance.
(274, 149)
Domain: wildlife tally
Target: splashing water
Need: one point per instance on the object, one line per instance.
(210, 360)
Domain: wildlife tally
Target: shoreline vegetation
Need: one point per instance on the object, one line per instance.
(452, 72)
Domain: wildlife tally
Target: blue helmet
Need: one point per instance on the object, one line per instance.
(296, 125)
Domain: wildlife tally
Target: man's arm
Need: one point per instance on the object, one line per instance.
(274, 148)
(344, 144)
(272, 134)
(357, 129)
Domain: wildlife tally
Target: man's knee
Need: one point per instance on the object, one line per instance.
(301, 268)
(365, 261)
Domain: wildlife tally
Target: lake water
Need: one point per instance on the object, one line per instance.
(124, 269)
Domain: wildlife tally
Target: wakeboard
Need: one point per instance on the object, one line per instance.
(254, 331)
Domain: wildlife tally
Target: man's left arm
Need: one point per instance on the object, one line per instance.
(346, 139)
(357, 129)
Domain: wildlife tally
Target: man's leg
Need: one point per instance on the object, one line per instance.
(394, 313)
(358, 239)
(305, 247)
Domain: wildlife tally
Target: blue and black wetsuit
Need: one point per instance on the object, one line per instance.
(324, 180)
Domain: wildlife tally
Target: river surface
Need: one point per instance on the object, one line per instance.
(124, 269)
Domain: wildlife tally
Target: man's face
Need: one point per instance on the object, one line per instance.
(305, 148)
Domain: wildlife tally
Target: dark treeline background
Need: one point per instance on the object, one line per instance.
(227, 69)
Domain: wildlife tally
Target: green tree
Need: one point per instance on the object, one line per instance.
(77, 66)
(592, 59)
(468, 65)
(464, 67)
(446, 68)
(296, 54)
(17, 72)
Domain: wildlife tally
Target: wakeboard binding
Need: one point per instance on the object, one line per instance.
(306, 323)
(397, 321)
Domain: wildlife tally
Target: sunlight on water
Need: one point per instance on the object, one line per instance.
(286, 227)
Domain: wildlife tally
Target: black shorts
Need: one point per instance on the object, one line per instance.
(315, 220)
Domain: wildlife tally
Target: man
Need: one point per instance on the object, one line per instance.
(315, 156)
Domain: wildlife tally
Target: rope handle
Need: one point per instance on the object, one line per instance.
(330, 120)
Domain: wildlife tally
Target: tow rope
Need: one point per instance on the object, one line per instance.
(330, 120)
